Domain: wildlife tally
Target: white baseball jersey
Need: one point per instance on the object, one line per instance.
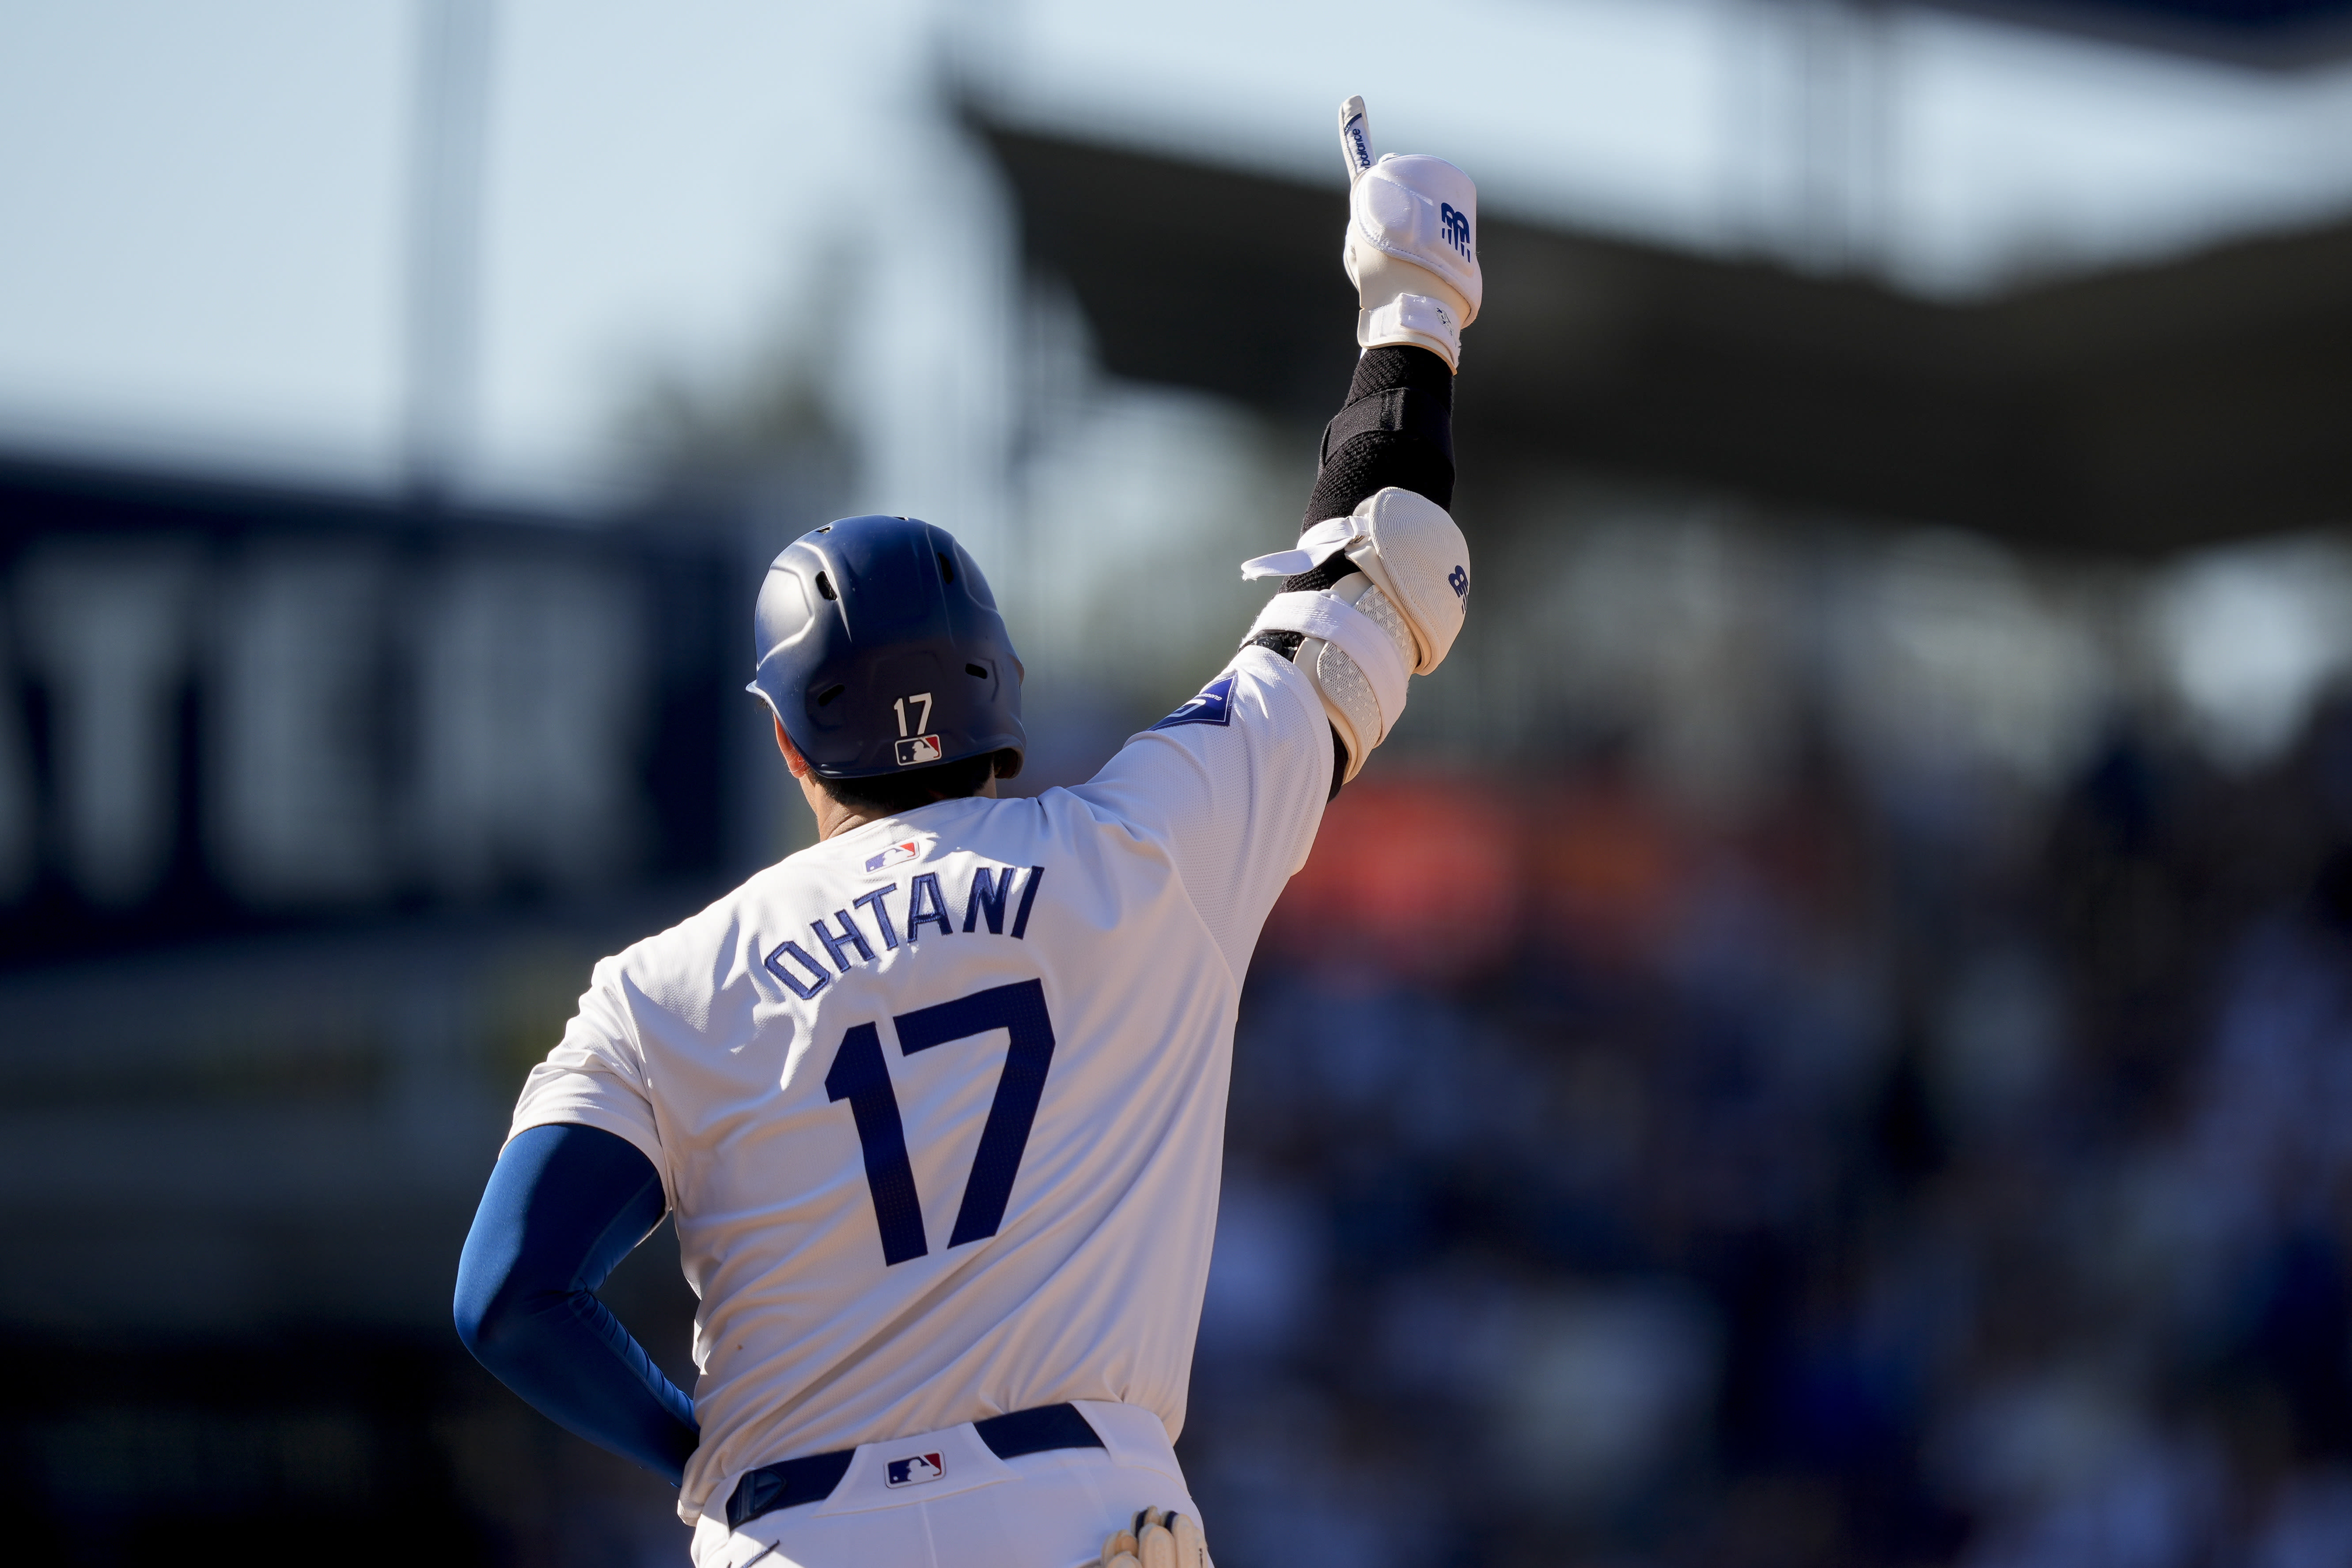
(939, 1103)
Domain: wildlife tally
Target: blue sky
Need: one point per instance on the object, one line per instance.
(206, 207)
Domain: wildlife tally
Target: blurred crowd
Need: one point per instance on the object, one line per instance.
(1918, 1172)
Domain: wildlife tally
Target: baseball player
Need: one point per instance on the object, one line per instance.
(938, 1103)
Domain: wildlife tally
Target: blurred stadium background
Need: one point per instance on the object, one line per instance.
(1828, 1037)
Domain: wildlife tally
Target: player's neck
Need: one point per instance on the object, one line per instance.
(833, 817)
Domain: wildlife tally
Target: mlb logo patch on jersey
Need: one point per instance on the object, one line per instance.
(913, 1470)
(919, 749)
(897, 855)
(1212, 706)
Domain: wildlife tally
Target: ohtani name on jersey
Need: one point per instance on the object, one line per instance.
(842, 938)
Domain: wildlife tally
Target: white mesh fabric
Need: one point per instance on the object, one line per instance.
(1327, 614)
(1375, 604)
(1351, 696)
(1347, 697)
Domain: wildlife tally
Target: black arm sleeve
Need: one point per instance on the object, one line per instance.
(1396, 429)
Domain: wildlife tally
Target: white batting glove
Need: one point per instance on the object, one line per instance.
(1412, 244)
(1157, 1540)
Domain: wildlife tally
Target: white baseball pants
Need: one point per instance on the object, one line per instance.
(1038, 1510)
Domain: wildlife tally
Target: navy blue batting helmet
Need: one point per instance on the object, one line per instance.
(880, 649)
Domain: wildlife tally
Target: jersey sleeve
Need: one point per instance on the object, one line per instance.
(595, 1076)
(1233, 785)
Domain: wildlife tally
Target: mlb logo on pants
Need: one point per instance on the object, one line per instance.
(912, 1471)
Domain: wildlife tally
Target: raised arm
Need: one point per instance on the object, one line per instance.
(1378, 587)
(1373, 593)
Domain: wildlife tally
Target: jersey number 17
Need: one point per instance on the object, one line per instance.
(860, 1076)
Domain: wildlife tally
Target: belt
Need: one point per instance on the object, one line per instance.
(789, 1483)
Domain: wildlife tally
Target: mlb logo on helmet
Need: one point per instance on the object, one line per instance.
(912, 1471)
(897, 855)
(916, 748)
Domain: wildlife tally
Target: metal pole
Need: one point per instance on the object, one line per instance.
(452, 104)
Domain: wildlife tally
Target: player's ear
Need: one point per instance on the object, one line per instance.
(792, 758)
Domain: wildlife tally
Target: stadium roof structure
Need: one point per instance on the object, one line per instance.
(2275, 33)
(2136, 411)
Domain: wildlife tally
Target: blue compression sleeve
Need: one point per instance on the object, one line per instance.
(563, 1206)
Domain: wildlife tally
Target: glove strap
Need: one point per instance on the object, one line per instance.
(1315, 546)
(1413, 319)
(1354, 632)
